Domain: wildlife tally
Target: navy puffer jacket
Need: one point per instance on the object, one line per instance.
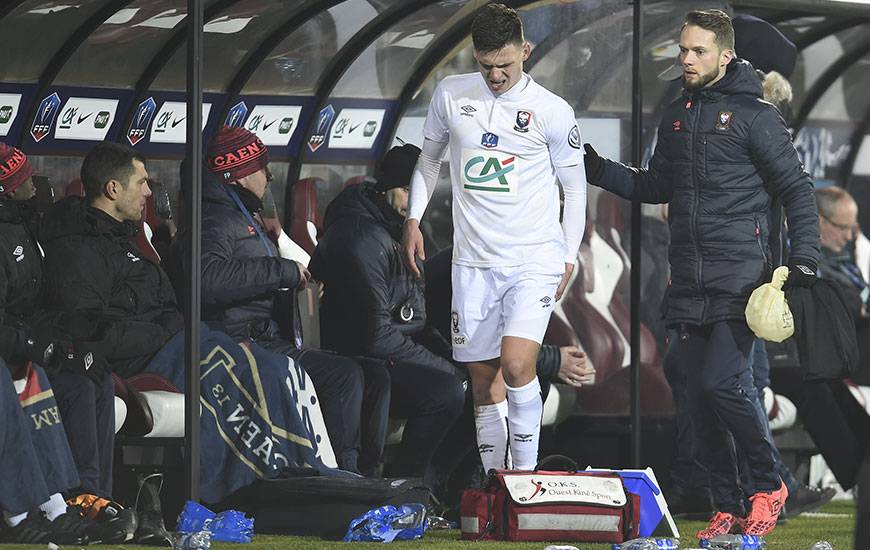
(723, 154)
(241, 272)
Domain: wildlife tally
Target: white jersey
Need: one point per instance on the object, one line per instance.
(503, 154)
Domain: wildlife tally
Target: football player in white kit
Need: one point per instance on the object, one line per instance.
(508, 140)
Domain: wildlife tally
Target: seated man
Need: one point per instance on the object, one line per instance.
(245, 283)
(33, 512)
(373, 306)
(76, 458)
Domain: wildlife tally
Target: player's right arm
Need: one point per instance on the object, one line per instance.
(423, 183)
(436, 134)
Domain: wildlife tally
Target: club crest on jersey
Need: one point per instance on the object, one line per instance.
(723, 121)
(524, 119)
(489, 140)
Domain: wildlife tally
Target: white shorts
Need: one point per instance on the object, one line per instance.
(492, 302)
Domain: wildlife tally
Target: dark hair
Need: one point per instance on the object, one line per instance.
(715, 21)
(496, 26)
(107, 161)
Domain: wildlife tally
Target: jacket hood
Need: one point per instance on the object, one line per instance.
(73, 216)
(740, 78)
(363, 200)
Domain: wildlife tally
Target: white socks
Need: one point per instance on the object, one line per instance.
(492, 435)
(525, 410)
(13, 521)
(53, 507)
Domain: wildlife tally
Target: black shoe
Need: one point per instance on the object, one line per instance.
(114, 525)
(151, 531)
(35, 529)
(806, 499)
(70, 528)
(694, 505)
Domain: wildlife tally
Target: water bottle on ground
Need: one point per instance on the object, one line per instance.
(823, 545)
(200, 540)
(734, 542)
(561, 547)
(647, 543)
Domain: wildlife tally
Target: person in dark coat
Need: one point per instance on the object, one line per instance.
(373, 306)
(835, 420)
(722, 155)
(245, 281)
(117, 306)
(36, 446)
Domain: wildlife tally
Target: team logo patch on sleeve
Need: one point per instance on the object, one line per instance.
(574, 137)
(524, 120)
(723, 121)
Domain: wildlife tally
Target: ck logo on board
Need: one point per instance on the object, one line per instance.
(524, 118)
(141, 120)
(45, 116)
(489, 140)
(6, 113)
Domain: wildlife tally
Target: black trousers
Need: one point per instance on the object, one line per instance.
(340, 383)
(722, 401)
(836, 422)
(431, 400)
(88, 412)
(22, 486)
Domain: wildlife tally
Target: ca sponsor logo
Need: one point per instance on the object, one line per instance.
(488, 173)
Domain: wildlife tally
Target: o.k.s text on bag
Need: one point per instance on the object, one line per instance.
(550, 506)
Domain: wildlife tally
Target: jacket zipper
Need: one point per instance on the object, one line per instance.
(696, 102)
(760, 244)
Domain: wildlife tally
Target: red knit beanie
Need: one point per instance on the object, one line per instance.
(14, 168)
(235, 153)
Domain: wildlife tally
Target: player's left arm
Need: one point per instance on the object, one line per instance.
(565, 154)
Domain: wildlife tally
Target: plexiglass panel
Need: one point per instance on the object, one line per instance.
(228, 39)
(115, 54)
(296, 64)
(35, 30)
(382, 69)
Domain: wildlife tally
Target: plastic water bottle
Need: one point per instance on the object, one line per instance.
(734, 542)
(648, 544)
(823, 545)
(561, 547)
(200, 540)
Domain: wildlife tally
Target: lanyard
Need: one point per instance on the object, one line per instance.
(251, 221)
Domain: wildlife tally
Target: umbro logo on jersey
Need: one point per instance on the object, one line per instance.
(467, 110)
